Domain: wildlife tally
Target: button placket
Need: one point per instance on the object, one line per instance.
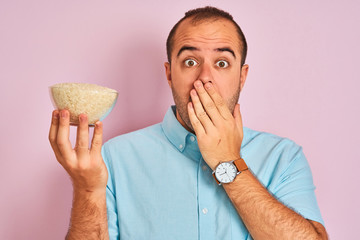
(205, 211)
(205, 204)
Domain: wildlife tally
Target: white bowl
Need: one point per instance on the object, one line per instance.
(93, 100)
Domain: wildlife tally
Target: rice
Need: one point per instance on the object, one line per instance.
(93, 100)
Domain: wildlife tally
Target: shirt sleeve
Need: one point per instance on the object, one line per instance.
(112, 216)
(296, 190)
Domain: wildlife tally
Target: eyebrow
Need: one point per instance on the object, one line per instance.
(190, 48)
(187, 48)
(226, 50)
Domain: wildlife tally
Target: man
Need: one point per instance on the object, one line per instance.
(158, 182)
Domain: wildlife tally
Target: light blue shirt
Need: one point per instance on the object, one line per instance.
(159, 186)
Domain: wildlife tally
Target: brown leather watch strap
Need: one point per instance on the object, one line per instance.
(240, 165)
(216, 179)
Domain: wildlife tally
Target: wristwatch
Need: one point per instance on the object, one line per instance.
(226, 172)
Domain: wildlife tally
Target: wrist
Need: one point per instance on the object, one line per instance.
(226, 172)
(96, 195)
(227, 159)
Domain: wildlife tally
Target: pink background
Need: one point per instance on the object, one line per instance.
(302, 84)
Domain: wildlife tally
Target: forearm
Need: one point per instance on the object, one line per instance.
(88, 216)
(263, 215)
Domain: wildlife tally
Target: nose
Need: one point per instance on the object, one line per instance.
(205, 74)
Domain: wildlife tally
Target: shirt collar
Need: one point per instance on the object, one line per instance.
(173, 130)
(177, 134)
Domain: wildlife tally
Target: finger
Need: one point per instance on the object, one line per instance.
(96, 142)
(238, 119)
(218, 100)
(82, 137)
(195, 122)
(200, 112)
(208, 103)
(63, 141)
(53, 134)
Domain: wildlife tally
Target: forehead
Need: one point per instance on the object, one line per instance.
(207, 32)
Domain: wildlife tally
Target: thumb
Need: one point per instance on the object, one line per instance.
(97, 138)
(238, 118)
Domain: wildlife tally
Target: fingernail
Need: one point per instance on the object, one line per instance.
(193, 92)
(198, 84)
(56, 115)
(64, 114)
(208, 85)
(82, 118)
(190, 105)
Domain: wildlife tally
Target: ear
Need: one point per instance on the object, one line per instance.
(168, 72)
(243, 75)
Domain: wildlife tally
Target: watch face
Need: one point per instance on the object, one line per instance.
(225, 172)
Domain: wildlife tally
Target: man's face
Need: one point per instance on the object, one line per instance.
(208, 51)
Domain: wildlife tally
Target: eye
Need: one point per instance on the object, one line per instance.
(222, 64)
(190, 62)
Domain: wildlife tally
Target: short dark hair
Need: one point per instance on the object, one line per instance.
(200, 14)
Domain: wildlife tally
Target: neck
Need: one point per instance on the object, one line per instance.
(178, 117)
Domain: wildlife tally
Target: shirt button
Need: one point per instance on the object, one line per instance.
(192, 138)
(205, 211)
(204, 167)
(181, 146)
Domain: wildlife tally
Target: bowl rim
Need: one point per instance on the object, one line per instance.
(108, 90)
